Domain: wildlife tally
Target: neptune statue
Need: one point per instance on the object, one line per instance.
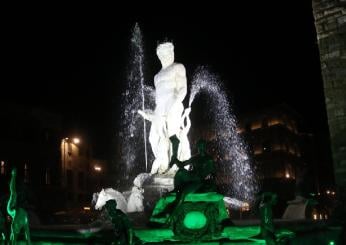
(168, 118)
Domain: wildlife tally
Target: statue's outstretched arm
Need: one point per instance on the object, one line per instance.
(147, 114)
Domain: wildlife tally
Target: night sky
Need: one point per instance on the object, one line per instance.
(72, 59)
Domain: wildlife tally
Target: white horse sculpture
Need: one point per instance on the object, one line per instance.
(111, 194)
(135, 199)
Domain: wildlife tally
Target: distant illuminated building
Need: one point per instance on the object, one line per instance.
(279, 150)
(75, 165)
(274, 141)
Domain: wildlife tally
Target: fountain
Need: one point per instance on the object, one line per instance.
(168, 117)
(179, 191)
(194, 212)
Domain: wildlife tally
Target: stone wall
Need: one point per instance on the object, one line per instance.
(330, 22)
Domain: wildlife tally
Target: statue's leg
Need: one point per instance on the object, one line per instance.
(13, 236)
(155, 167)
(163, 155)
(174, 120)
(27, 233)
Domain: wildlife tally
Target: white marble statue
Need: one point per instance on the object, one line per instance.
(166, 120)
(184, 152)
(135, 200)
(109, 194)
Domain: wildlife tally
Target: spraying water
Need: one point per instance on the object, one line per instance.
(229, 145)
(137, 43)
(136, 96)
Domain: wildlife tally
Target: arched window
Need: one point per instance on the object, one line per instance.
(266, 146)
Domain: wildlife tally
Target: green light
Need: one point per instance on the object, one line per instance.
(331, 243)
(195, 220)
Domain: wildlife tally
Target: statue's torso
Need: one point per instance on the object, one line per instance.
(203, 166)
(165, 89)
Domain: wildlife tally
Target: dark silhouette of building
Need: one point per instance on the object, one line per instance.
(56, 170)
(284, 157)
(29, 141)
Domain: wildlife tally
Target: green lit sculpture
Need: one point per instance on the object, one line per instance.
(19, 216)
(2, 227)
(193, 209)
(268, 232)
(122, 229)
(268, 200)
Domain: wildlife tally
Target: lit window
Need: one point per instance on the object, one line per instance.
(267, 146)
(2, 168)
(256, 125)
(47, 177)
(26, 173)
(274, 122)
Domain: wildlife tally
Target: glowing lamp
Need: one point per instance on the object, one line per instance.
(195, 220)
(97, 168)
(287, 176)
(76, 140)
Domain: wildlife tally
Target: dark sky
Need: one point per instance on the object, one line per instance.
(72, 59)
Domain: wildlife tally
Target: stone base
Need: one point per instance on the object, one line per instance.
(154, 189)
(200, 216)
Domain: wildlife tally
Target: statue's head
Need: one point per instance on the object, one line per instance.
(102, 197)
(165, 53)
(14, 172)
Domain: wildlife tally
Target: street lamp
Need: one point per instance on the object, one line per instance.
(65, 141)
(76, 141)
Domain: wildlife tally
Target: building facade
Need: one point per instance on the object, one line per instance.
(330, 22)
(75, 169)
(282, 155)
(53, 172)
(29, 141)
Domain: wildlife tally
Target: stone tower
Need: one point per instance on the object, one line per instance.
(330, 21)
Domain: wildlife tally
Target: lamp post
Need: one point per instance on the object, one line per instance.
(65, 141)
